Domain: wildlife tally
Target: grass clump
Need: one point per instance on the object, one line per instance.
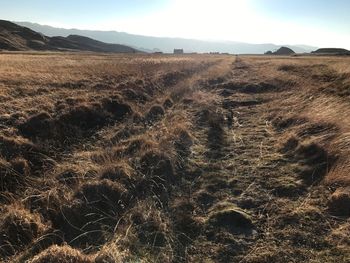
(61, 254)
(18, 228)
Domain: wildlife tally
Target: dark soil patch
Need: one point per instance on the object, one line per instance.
(90, 218)
(216, 135)
(124, 134)
(226, 92)
(203, 116)
(183, 143)
(187, 227)
(290, 145)
(69, 177)
(288, 188)
(168, 103)
(38, 125)
(78, 121)
(155, 113)
(137, 96)
(229, 104)
(83, 117)
(317, 128)
(11, 148)
(228, 89)
(205, 199)
(231, 86)
(14, 175)
(121, 174)
(284, 123)
(157, 175)
(118, 110)
(339, 87)
(150, 228)
(315, 162)
(216, 81)
(231, 218)
(171, 78)
(339, 202)
(258, 88)
(137, 145)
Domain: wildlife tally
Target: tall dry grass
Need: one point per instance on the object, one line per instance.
(313, 85)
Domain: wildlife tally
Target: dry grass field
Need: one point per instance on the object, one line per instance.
(157, 158)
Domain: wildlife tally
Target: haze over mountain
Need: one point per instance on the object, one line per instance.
(165, 44)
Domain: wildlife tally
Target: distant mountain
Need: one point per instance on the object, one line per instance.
(14, 37)
(335, 51)
(88, 44)
(164, 44)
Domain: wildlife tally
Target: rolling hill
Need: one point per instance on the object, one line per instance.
(14, 37)
(334, 51)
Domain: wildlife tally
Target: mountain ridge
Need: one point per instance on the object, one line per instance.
(166, 44)
(14, 37)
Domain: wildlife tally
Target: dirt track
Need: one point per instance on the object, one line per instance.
(255, 206)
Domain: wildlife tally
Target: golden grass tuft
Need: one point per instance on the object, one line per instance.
(61, 254)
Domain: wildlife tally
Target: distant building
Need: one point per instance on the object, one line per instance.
(178, 51)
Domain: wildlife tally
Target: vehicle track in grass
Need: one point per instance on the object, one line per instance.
(252, 204)
(202, 169)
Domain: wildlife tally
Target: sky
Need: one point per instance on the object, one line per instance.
(321, 23)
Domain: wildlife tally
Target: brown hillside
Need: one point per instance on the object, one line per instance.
(17, 38)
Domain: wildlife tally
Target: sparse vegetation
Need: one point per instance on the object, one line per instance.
(192, 158)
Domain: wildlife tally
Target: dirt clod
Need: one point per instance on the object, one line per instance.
(38, 125)
(230, 217)
(339, 202)
(155, 113)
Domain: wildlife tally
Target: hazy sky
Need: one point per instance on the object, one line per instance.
(315, 22)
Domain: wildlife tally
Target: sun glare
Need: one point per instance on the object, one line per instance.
(206, 19)
(193, 19)
(218, 20)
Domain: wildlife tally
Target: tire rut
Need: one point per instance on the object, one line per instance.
(241, 174)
